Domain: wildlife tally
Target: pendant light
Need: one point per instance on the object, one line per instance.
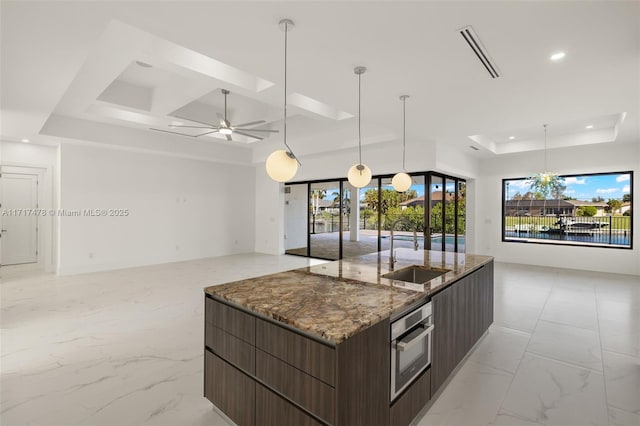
(402, 181)
(546, 183)
(282, 165)
(545, 177)
(359, 175)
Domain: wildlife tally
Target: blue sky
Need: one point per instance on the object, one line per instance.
(586, 187)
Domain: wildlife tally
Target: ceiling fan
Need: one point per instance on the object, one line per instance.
(224, 128)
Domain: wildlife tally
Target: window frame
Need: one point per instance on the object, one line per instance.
(568, 243)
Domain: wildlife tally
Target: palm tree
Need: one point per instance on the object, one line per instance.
(547, 184)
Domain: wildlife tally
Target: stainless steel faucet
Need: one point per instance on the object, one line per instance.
(392, 255)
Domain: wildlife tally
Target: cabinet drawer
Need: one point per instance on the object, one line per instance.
(411, 402)
(230, 390)
(310, 393)
(306, 354)
(272, 410)
(231, 320)
(230, 348)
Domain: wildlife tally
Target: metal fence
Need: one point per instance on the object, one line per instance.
(609, 230)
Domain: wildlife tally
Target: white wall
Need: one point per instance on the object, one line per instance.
(179, 209)
(269, 214)
(41, 160)
(610, 157)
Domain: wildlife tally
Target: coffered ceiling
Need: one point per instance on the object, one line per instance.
(71, 70)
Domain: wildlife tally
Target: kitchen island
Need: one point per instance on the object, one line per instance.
(312, 345)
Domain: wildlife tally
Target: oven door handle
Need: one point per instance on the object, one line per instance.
(426, 329)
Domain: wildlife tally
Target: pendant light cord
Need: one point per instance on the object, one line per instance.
(404, 132)
(286, 32)
(290, 151)
(359, 131)
(545, 149)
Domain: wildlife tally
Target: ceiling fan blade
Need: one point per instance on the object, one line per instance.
(229, 138)
(251, 123)
(257, 130)
(194, 127)
(248, 135)
(169, 131)
(206, 133)
(195, 121)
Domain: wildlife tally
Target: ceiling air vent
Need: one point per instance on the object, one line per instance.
(475, 44)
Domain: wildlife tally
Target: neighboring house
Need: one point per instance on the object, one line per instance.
(550, 207)
(323, 205)
(599, 205)
(625, 207)
(436, 197)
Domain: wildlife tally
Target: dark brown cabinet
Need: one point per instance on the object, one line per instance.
(462, 313)
(410, 403)
(273, 410)
(261, 373)
(229, 389)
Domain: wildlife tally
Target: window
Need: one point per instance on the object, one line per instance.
(580, 210)
(329, 219)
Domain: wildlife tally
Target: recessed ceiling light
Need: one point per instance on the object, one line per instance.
(557, 56)
(590, 126)
(143, 64)
(25, 140)
(511, 138)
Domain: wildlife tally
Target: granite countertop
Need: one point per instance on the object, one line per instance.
(336, 300)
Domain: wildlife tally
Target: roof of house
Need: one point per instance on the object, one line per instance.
(435, 196)
(324, 203)
(581, 203)
(539, 203)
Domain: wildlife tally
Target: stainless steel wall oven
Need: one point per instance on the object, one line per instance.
(410, 347)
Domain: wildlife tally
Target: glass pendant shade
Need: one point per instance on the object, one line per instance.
(280, 166)
(401, 182)
(359, 175)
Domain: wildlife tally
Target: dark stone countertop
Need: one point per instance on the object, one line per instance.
(336, 300)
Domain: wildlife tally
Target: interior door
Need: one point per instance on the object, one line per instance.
(19, 240)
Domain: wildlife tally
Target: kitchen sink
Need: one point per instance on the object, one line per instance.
(416, 274)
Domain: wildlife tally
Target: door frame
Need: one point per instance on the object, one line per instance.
(29, 176)
(47, 225)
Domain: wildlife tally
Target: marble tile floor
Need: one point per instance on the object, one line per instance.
(125, 347)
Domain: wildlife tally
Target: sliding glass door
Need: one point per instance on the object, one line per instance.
(295, 219)
(333, 220)
(406, 210)
(360, 230)
(324, 220)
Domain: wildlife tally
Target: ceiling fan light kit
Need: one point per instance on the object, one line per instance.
(282, 165)
(359, 175)
(401, 182)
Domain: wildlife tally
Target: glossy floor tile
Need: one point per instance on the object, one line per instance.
(569, 344)
(471, 398)
(622, 378)
(113, 348)
(125, 348)
(549, 392)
